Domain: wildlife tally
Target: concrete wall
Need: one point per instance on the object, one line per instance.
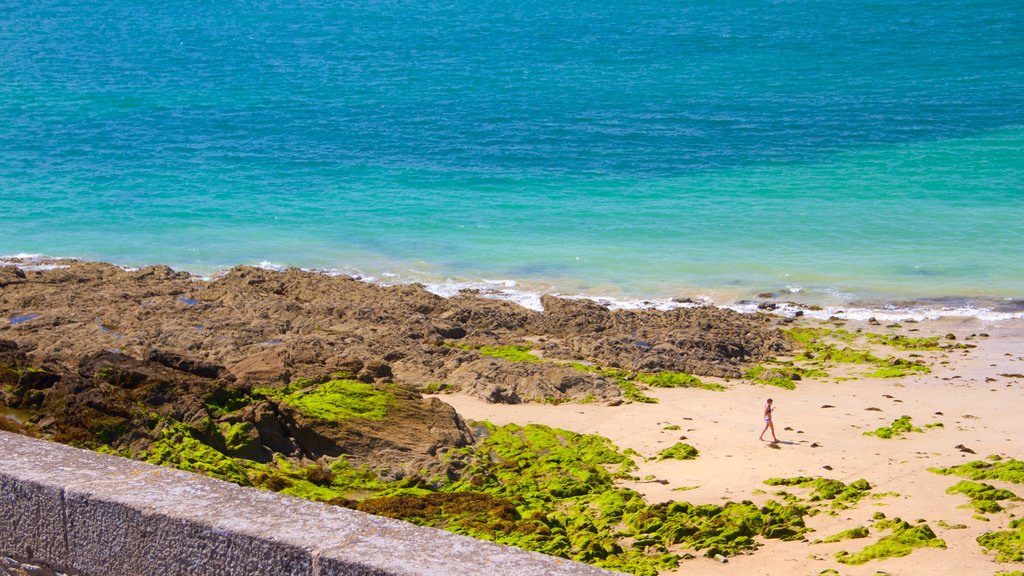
(96, 515)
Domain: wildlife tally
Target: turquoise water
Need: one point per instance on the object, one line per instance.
(865, 151)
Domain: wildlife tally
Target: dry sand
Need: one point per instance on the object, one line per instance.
(979, 409)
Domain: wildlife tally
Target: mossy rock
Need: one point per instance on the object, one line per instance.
(510, 353)
(984, 497)
(899, 427)
(902, 541)
(679, 451)
(1009, 470)
(677, 380)
(1008, 545)
(341, 400)
(851, 534)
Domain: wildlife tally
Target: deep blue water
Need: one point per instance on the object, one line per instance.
(637, 150)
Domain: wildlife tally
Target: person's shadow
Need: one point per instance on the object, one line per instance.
(775, 445)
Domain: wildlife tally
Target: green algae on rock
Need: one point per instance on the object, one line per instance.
(1007, 544)
(678, 451)
(984, 497)
(765, 375)
(851, 534)
(179, 448)
(901, 342)
(1008, 470)
(622, 378)
(553, 491)
(818, 351)
(340, 400)
(511, 353)
(901, 541)
(899, 427)
(676, 380)
(840, 495)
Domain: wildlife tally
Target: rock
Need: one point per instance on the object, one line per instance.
(10, 275)
(264, 367)
(502, 381)
(119, 354)
(179, 361)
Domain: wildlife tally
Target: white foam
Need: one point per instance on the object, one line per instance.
(273, 266)
(530, 297)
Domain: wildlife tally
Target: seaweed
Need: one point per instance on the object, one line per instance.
(178, 447)
(899, 427)
(622, 378)
(511, 353)
(984, 497)
(1007, 544)
(679, 451)
(341, 400)
(766, 375)
(900, 342)
(851, 534)
(901, 541)
(839, 494)
(676, 380)
(1009, 470)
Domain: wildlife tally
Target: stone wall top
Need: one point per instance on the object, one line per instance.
(97, 515)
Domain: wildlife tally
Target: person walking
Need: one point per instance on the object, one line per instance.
(768, 425)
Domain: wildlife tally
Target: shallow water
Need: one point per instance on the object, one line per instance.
(862, 152)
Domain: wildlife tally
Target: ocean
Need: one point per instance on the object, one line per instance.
(856, 155)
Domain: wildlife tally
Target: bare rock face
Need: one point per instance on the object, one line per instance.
(703, 341)
(497, 380)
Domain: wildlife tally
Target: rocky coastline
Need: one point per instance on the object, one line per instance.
(97, 353)
(538, 429)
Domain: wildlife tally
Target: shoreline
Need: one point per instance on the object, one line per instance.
(788, 302)
(263, 364)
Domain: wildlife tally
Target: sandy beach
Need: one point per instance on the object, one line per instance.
(821, 427)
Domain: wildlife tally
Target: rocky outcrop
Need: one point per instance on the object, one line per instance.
(92, 353)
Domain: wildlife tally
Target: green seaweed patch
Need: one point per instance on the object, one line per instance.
(903, 540)
(224, 401)
(851, 534)
(553, 491)
(984, 497)
(672, 427)
(769, 376)
(679, 451)
(437, 388)
(622, 378)
(897, 368)
(341, 400)
(1007, 544)
(901, 342)
(899, 427)
(631, 391)
(239, 436)
(511, 353)
(1009, 470)
(677, 380)
(178, 447)
(821, 352)
(839, 494)
(814, 337)
(1011, 573)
